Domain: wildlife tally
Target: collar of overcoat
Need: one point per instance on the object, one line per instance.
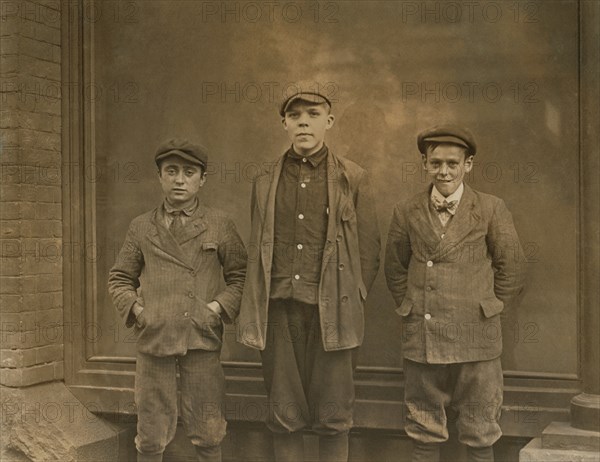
(162, 238)
(466, 218)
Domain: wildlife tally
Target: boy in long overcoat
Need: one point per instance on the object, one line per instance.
(314, 255)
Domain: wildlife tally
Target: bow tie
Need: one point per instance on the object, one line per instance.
(444, 206)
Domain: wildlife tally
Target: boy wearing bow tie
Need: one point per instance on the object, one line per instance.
(453, 262)
(177, 255)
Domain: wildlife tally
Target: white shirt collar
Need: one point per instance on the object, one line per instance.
(455, 196)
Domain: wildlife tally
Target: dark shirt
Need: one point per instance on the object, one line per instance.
(301, 215)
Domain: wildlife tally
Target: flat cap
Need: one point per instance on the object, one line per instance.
(195, 153)
(308, 96)
(447, 134)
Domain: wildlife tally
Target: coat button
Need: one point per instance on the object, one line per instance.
(338, 238)
(427, 316)
(344, 298)
(186, 314)
(296, 277)
(341, 266)
(428, 288)
(430, 263)
(300, 216)
(303, 185)
(304, 159)
(299, 246)
(191, 294)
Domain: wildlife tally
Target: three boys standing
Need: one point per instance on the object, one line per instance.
(453, 257)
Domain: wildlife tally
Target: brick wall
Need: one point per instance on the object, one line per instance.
(30, 193)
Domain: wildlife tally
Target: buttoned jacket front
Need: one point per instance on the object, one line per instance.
(175, 281)
(350, 257)
(451, 289)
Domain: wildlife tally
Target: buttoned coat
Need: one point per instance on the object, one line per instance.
(451, 290)
(350, 257)
(175, 281)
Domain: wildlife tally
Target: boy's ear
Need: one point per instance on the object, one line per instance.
(468, 163)
(424, 160)
(283, 122)
(330, 121)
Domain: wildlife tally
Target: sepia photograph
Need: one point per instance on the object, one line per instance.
(300, 231)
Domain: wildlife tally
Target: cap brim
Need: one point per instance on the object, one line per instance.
(178, 153)
(307, 97)
(448, 139)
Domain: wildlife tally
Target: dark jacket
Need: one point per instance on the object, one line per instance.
(350, 258)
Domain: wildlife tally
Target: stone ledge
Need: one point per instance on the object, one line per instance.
(561, 435)
(534, 452)
(47, 423)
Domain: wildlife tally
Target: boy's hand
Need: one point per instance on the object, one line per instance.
(137, 309)
(215, 307)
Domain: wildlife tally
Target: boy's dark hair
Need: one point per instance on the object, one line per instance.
(431, 145)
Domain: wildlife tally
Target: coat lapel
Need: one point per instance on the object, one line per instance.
(466, 218)
(195, 227)
(334, 192)
(164, 240)
(266, 200)
(420, 220)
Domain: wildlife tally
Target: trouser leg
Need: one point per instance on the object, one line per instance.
(202, 397)
(478, 398)
(156, 402)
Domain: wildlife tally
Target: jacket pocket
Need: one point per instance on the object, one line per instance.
(405, 307)
(491, 307)
(210, 246)
(348, 212)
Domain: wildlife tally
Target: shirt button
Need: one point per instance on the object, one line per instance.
(191, 294)
(341, 266)
(443, 236)
(430, 263)
(428, 288)
(303, 185)
(304, 159)
(296, 277)
(186, 314)
(301, 217)
(299, 246)
(338, 238)
(427, 316)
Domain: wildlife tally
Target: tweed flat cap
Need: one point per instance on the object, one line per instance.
(448, 134)
(195, 153)
(308, 96)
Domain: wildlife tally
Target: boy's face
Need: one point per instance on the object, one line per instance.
(306, 125)
(180, 180)
(447, 165)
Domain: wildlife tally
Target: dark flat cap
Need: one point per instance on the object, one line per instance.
(308, 96)
(195, 153)
(447, 134)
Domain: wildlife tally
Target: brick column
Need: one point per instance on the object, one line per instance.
(30, 194)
